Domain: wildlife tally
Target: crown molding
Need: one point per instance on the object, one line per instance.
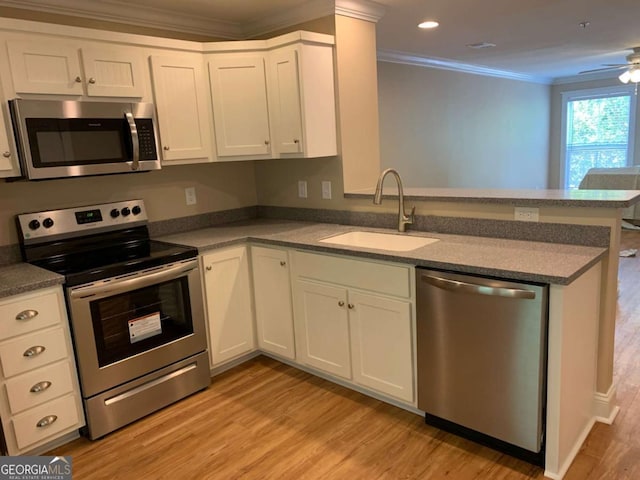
(126, 12)
(131, 14)
(360, 9)
(588, 77)
(392, 56)
(292, 16)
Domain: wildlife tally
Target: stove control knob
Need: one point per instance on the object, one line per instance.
(115, 213)
(34, 224)
(47, 223)
(136, 210)
(125, 211)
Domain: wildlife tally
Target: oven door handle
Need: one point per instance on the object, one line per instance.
(141, 279)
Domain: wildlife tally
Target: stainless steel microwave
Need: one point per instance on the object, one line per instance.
(58, 139)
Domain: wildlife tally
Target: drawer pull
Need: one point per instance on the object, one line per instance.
(33, 351)
(40, 387)
(27, 314)
(46, 421)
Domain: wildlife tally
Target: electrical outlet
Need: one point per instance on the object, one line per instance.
(525, 214)
(326, 190)
(302, 189)
(190, 195)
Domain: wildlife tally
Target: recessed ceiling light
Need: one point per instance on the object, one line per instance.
(428, 24)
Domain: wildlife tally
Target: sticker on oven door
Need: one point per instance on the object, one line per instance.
(144, 327)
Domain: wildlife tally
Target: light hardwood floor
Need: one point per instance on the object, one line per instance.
(266, 420)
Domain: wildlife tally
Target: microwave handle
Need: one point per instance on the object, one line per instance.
(134, 139)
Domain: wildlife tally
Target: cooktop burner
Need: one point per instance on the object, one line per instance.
(93, 243)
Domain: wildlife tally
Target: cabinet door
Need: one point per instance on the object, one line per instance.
(284, 101)
(45, 67)
(240, 113)
(181, 100)
(228, 298)
(322, 327)
(113, 72)
(272, 293)
(381, 344)
(8, 161)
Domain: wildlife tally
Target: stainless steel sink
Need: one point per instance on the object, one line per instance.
(380, 241)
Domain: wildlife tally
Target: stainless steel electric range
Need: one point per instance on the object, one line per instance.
(135, 307)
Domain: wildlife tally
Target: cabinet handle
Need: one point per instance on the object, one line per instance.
(341, 303)
(78, 80)
(166, 147)
(208, 267)
(92, 80)
(40, 387)
(48, 420)
(282, 263)
(295, 140)
(33, 351)
(6, 154)
(267, 142)
(351, 306)
(27, 314)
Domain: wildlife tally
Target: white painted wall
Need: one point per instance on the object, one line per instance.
(441, 128)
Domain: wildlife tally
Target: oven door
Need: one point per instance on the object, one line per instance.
(129, 326)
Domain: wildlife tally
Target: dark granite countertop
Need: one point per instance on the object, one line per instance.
(511, 259)
(24, 277)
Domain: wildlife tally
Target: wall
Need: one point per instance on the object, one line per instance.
(442, 128)
(8, 12)
(219, 186)
(556, 125)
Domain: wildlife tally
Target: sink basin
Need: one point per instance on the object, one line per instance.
(380, 241)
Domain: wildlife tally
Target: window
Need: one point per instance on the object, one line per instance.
(596, 131)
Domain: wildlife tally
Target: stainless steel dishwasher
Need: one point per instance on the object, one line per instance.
(481, 349)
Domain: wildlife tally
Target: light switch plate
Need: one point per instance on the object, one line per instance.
(326, 190)
(302, 189)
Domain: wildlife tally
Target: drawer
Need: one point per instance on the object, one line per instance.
(39, 386)
(12, 352)
(377, 277)
(31, 426)
(27, 313)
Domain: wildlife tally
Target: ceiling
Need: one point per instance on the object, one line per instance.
(539, 40)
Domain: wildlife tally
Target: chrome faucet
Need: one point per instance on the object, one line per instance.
(403, 219)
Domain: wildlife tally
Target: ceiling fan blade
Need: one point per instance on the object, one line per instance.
(605, 69)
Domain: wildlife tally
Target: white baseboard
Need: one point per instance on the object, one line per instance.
(559, 475)
(605, 409)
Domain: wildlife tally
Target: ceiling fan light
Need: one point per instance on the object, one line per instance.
(625, 76)
(634, 75)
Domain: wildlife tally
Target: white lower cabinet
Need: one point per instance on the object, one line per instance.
(381, 340)
(353, 322)
(39, 392)
(322, 327)
(272, 295)
(229, 305)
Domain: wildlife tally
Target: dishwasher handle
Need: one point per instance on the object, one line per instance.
(475, 289)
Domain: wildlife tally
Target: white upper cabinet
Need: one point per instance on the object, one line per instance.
(274, 102)
(8, 160)
(113, 72)
(302, 100)
(179, 87)
(45, 67)
(239, 97)
(53, 67)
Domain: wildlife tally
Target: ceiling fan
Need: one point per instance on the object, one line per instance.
(632, 72)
